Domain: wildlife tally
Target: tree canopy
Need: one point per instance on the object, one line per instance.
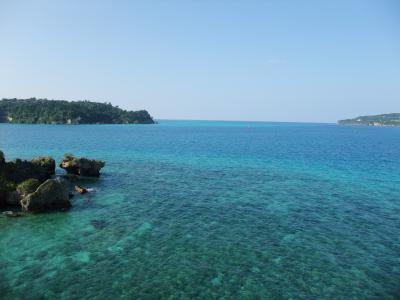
(376, 120)
(44, 111)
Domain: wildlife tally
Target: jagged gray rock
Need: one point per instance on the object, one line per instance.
(82, 166)
(40, 168)
(50, 195)
(23, 189)
(14, 172)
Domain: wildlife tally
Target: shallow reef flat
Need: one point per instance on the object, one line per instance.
(205, 211)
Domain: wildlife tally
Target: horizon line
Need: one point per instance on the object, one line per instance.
(247, 121)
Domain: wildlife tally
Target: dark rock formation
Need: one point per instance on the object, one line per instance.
(2, 159)
(82, 166)
(13, 198)
(46, 164)
(28, 186)
(98, 224)
(50, 195)
(14, 172)
(6, 188)
(40, 168)
(23, 189)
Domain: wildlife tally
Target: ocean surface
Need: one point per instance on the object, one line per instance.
(212, 210)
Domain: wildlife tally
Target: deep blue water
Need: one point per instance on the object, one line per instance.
(212, 210)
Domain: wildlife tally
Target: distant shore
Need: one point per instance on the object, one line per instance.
(384, 120)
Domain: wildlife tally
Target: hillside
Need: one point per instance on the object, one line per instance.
(43, 111)
(376, 120)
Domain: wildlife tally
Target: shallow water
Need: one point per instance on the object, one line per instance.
(212, 210)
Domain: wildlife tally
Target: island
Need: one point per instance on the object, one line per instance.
(375, 120)
(44, 111)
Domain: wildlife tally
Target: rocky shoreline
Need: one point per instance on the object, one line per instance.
(31, 186)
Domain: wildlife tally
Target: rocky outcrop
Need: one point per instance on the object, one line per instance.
(12, 199)
(6, 188)
(82, 166)
(27, 184)
(2, 159)
(22, 190)
(18, 171)
(80, 190)
(46, 164)
(28, 187)
(50, 195)
(40, 168)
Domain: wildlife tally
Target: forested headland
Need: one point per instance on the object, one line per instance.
(375, 120)
(44, 111)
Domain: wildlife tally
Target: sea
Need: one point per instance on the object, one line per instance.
(211, 210)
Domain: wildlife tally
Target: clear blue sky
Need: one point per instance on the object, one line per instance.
(232, 60)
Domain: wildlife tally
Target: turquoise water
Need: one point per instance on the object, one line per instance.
(212, 210)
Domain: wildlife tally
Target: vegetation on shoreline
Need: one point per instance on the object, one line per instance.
(376, 120)
(43, 111)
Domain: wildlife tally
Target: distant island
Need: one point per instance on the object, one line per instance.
(376, 120)
(44, 111)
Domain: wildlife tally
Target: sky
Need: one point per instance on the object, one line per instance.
(305, 61)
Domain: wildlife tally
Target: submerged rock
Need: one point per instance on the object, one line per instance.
(98, 224)
(81, 257)
(82, 166)
(50, 195)
(143, 228)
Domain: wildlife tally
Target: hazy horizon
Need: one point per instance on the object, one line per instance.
(241, 61)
